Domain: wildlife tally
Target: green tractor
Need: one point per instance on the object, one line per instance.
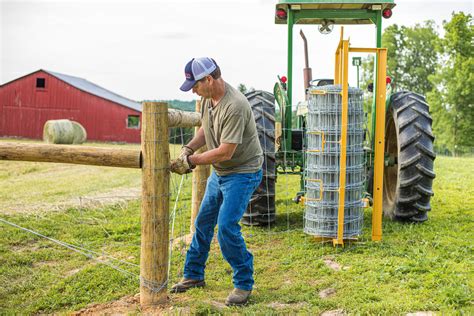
(398, 141)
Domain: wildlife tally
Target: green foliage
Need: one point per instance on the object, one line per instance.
(417, 58)
(440, 68)
(189, 106)
(392, 40)
(367, 78)
(424, 267)
(411, 57)
(367, 72)
(242, 88)
(452, 102)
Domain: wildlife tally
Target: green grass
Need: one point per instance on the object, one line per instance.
(426, 267)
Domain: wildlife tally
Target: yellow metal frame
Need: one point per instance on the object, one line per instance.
(341, 77)
(323, 142)
(320, 92)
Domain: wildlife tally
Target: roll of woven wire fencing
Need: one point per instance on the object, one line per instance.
(322, 167)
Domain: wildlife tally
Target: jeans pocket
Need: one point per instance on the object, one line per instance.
(253, 181)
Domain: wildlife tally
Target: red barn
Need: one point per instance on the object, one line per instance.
(28, 102)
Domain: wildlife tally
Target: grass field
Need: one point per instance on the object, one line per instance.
(425, 267)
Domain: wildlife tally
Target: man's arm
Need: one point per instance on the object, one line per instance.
(222, 153)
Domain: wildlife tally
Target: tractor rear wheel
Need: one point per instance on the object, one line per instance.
(261, 208)
(408, 180)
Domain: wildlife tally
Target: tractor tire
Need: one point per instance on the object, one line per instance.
(261, 208)
(408, 184)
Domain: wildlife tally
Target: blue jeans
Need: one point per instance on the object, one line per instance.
(224, 203)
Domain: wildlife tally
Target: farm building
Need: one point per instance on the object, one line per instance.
(28, 102)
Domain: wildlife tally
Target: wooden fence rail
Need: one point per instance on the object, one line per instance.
(82, 155)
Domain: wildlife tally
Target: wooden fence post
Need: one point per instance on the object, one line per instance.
(155, 204)
(200, 175)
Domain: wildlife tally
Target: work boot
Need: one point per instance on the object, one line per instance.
(238, 297)
(186, 284)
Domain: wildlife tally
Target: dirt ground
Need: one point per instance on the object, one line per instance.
(128, 305)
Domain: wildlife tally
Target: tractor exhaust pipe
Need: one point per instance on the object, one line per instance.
(307, 72)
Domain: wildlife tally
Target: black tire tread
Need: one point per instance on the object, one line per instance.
(407, 122)
(413, 138)
(410, 181)
(428, 132)
(414, 189)
(425, 171)
(261, 208)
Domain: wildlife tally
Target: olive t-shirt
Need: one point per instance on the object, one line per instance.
(231, 121)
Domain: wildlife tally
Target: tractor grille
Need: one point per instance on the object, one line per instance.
(322, 167)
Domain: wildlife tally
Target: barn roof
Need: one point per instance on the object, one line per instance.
(92, 88)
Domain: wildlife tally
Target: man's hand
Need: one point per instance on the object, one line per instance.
(186, 151)
(180, 165)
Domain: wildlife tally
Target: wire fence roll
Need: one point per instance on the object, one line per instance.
(322, 166)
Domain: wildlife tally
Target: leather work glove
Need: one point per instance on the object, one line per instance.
(180, 165)
(186, 151)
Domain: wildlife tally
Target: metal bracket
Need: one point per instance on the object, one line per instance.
(321, 190)
(323, 141)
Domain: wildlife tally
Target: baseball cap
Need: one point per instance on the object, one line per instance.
(196, 69)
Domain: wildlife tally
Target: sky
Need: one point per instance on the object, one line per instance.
(138, 49)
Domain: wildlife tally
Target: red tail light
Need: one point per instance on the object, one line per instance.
(387, 13)
(280, 14)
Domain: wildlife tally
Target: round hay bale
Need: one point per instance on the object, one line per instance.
(63, 132)
(80, 134)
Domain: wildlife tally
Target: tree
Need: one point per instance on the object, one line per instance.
(367, 71)
(418, 58)
(242, 88)
(452, 100)
(367, 78)
(392, 40)
(411, 57)
(441, 68)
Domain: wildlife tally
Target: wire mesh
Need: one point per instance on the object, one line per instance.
(322, 163)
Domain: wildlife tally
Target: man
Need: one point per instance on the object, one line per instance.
(228, 129)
